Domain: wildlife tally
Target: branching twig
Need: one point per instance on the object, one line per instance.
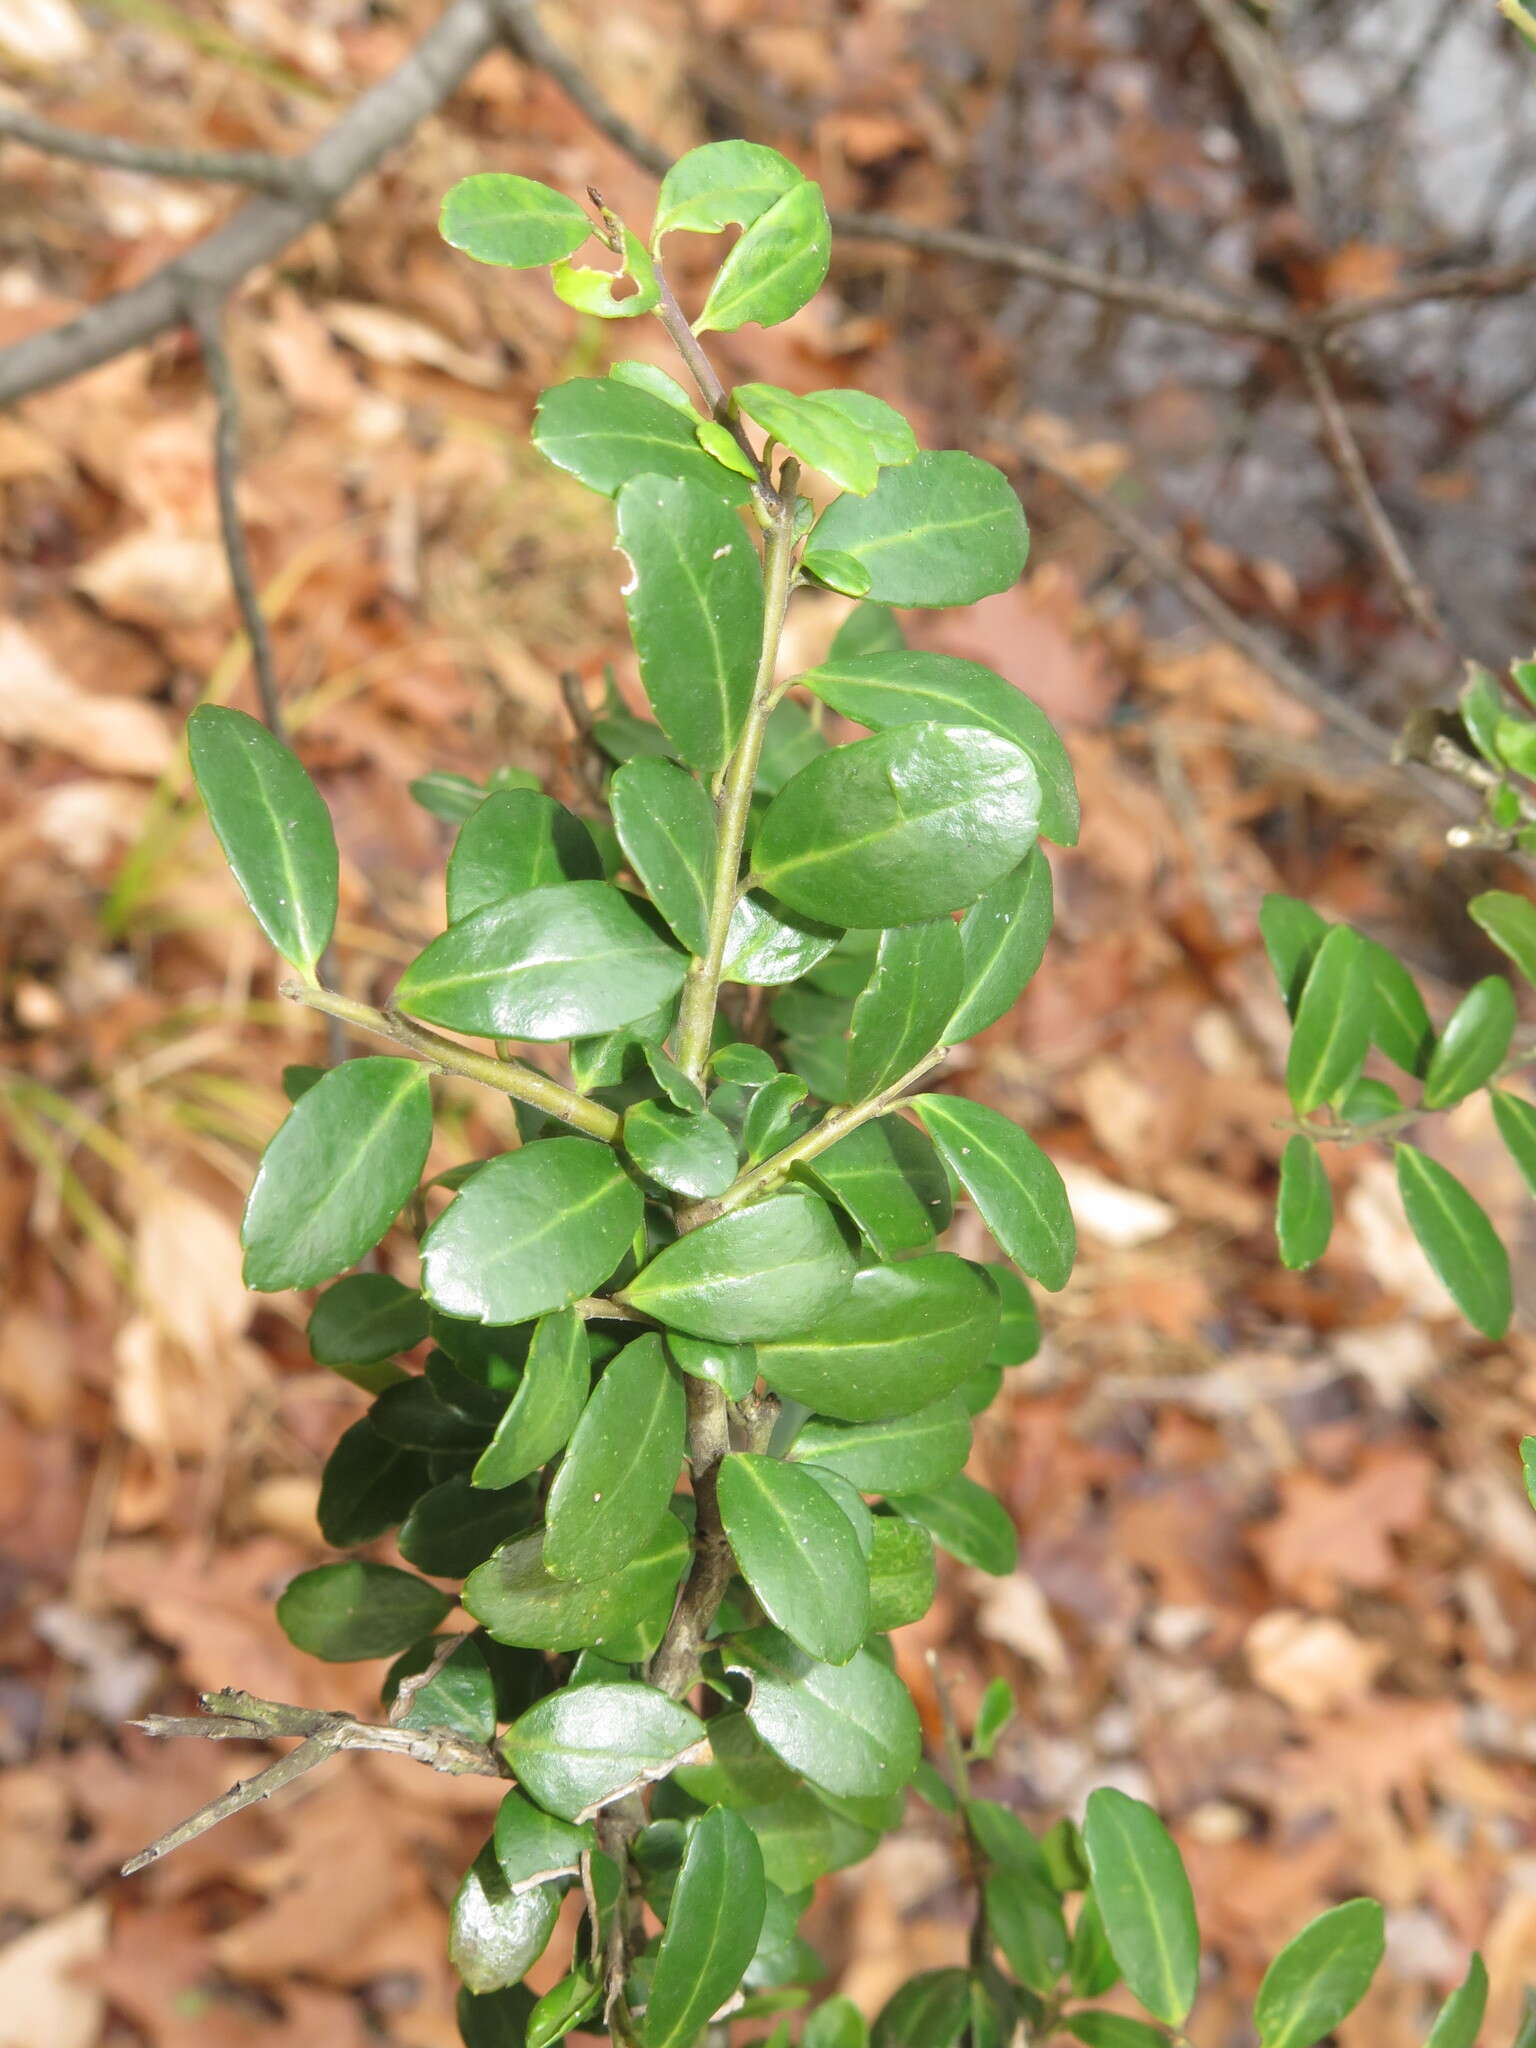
(250, 167)
(240, 1717)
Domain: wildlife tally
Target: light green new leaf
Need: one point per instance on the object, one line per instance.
(822, 435)
(720, 185)
(797, 1551)
(1458, 2020)
(945, 528)
(998, 1707)
(760, 1272)
(886, 1175)
(1510, 921)
(1020, 1194)
(517, 840)
(688, 1151)
(1145, 1901)
(1332, 1029)
(695, 602)
(1292, 931)
(348, 1612)
(903, 687)
(1319, 1978)
(646, 377)
(713, 1926)
(499, 218)
(565, 961)
(900, 1017)
(838, 572)
(532, 1231)
(1473, 1044)
(496, 1935)
(882, 426)
(1003, 937)
(914, 822)
(592, 290)
(342, 1165)
(1113, 2030)
(1516, 1119)
(1304, 1210)
(620, 1467)
(577, 1750)
(604, 432)
(901, 1455)
(521, 1602)
(778, 263)
(967, 1521)
(666, 826)
(1458, 1240)
(850, 1728)
(273, 826)
(548, 1402)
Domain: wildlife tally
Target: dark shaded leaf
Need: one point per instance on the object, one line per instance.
(517, 840)
(347, 1612)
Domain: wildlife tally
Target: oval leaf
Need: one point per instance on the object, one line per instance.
(1457, 2023)
(1003, 937)
(690, 1152)
(496, 1935)
(666, 826)
(713, 1926)
(1319, 1978)
(1473, 1044)
(797, 1551)
(902, 1455)
(969, 1522)
(777, 264)
(1021, 1196)
(944, 529)
(900, 1017)
(761, 1272)
(547, 1405)
(1333, 1021)
(1145, 1902)
(888, 1178)
(618, 1472)
(1516, 1119)
(850, 1728)
(522, 1603)
(1304, 1211)
(1458, 1240)
(515, 841)
(1510, 921)
(605, 431)
(721, 185)
(348, 1612)
(496, 217)
(578, 1749)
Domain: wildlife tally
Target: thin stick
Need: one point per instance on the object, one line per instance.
(251, 167)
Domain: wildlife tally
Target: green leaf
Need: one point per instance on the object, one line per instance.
(837, 2023)
(454, 1527)
(901, 1455)
(967, 1521)
(911, 823)
(723, 445)
(369, 1485)
(1333, 1021)
(1319, 1978)
(903, 1576)
(273, 826)
(646, 377)
(887, 433)
(1113, 2030)
(837, 572)
(460, 1694)
(498, 218)
(766, 944)
(1516, 1119)
(1292, 932)
(998, 1707)
(797, 1551)
(691, 1153)
(562, 2008)
(822, 435)
(1514, 742)
(778, 263)
(900, 1017)
(1461, 2015)
(695, 602)
(548, 1402)
(888, 1178)
(533, 1231)
(774, 1116)
(579, 1749)
(1528, 1467)
(1473, 1044)
(591, 290)
(1510, 921)
(900, 1338)
(945, 528)
(1025, 1919)
(298, 1079)
(1145, 1901)
(605, 432)
(1006, 1843)
(1526, 2035)
(533, 1847)
(515, 841)
(1368, 1099)
(850, 1728)
(347, 1612)
(411, 1413)
(720, 185)
(868, 629)
(522, 1603)
(1003, 937)
(364, 1319)
(929, 2011)
(342, 1166)
(1304, 1211)
(712, 1931)
(900, 687)
(760, 1272)
(619, 1470)
(666, 826)
(496, 1935)
(1458, 1240)
(1018, 1334)
(732, 1367)
(498, 2020)
(1018, 1191)
(559, 962)
(1399, 1022)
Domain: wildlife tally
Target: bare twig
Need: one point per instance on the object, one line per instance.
(526, 35)
(250, 167)
(241, 1717)
(1484, 281)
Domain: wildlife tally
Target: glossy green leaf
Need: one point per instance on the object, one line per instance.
(759, 1272)
(498, 218)
(797, 1551)
(900, 1017)
(838, 572)
(903, 687)
(521, 1602)
(546, 1406)
(347, 1612)
(694, 596)
(732, 1367)
(647, 377)
(620, 1467)
(666, 826)
(1024, 1918)
(767, 944)
(901, 1338)
(967, 1521)
(592, 289)
(1528, 1467)
(1292, 932)
(369, 1485)
(460, 1694)
(1319, 1978)
(776, 265)
(823, 435)
(1458, 1240)
(900, 827)
(1399, 1022)
(712, 1931)
(887, 433)
(273, 826)
(605, 432)
(1333, 1021)
(1018, 1191)
(534, 1847)
(888, 1178)
(454, 1526)
(1510, 921)
(1516, 1119)
(720, 185)
(850, 1728)
(496, 1935)
(945, 528)
(581, 1748)
(533, 1231)
(1145, 1901)
(515, 841)
(558, 962)
(746, 1066)
(774, 1116)
(901, 1455)
(903, 1576)
(1473, 1044)
(563, 2007)
(929, 2011)
(365, 1318)
(1003, 937)
(1368, 1099)
(340, 1169)
(1304, 1210)
(1458, 2020)
(691, 1153)
(1113, 2030)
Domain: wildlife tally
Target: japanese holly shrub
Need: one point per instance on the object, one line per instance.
(711, 1251)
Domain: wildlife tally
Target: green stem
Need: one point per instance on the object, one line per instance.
(701, 991)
